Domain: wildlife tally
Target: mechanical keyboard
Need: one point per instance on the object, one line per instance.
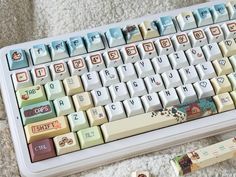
(81, 100)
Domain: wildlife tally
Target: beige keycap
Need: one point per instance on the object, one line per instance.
(135, 125)
(46, 129)
(233, 96)
(82, 101)
(232, 79)
(148, 29)
(140, 173)
(97, 116)
(221, 84)
(222, 66)
(66, 143)
(223, 102)
(215, 153)
(73, 85)
(233, 61)
(205, 156)
(228, 47)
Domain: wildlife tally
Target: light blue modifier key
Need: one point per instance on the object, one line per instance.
(17, 59)
(40, 54)
(58, 50)
(94, 41)
(203, 16)
(166, 25)
(76, 46)
(115, 37)
(219, 13)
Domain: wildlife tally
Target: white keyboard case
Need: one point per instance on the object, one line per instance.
(109, 152)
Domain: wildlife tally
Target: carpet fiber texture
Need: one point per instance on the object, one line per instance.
(23, 20)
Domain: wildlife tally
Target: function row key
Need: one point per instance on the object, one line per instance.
(76, 46)
(145, 30)
(219, 13)
(232, 9)
(60, 49)
(149, 29)
(205, 16)
(56, 50)
(17, 59)
(165, 25)
(40, 54)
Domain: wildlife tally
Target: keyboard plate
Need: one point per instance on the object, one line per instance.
(113, 151)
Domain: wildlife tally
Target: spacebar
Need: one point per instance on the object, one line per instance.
(157, 119)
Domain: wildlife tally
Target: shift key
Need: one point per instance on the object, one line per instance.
(30, 95)
(46, 129)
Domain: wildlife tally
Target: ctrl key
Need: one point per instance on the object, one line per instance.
(41, 150)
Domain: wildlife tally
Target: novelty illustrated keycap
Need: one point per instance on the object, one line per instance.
(92, 97)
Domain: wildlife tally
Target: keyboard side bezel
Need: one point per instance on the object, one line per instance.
(113, 151)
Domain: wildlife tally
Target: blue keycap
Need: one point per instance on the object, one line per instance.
(219, 13)
(203, 16)
(93, 41)
(115, 37)
(40, 54)
(58, 50)
(17, 59)
(166, 25)
(76, 46)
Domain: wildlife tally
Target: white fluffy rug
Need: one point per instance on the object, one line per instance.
(22, 20)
